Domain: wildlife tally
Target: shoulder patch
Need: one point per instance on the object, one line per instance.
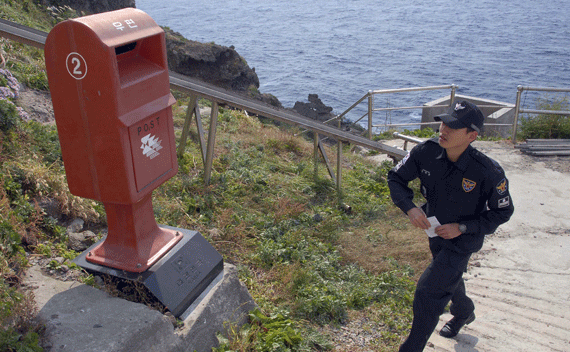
(502, 186)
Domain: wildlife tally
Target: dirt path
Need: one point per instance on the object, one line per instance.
(520, 280)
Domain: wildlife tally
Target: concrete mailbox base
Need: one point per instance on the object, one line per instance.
(82, 318)
(177, 278)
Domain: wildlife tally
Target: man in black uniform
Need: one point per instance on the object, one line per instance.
(467, 192)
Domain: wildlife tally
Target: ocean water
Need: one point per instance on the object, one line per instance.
(341, 49)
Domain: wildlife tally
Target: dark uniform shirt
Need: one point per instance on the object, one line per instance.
(472, 191)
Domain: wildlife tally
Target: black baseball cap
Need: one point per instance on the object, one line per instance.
(463, 114)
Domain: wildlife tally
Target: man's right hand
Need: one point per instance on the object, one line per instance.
(418, 218)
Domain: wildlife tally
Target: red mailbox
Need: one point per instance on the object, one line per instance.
(109, 83)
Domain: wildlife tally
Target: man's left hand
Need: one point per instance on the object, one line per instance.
(448, 231)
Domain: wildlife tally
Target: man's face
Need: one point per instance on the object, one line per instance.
(455, 138)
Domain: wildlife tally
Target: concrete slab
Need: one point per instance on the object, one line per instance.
(227, 301)
(81, 318)
(89, 320)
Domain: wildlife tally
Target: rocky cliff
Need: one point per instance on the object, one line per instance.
(215, 64)
(91, 6)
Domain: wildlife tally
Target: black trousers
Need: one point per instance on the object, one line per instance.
(440, 283)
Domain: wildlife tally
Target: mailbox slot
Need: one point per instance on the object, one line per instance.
(139, 61)
(125, 48)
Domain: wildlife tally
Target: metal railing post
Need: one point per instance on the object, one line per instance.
(186, 128)
(370, 109)
(316, 155)
(517, 109)
(452, 94)
(211, 143)
(338, 164)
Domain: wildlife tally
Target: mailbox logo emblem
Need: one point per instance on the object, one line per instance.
(151, 146)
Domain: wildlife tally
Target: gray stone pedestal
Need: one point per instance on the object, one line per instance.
(85, 319)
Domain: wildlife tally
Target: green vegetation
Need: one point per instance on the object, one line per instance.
(9, 117)
(27, 13)
(547, 126)
(264, 199)
(264, 334)
(25, 62)
(31, 171)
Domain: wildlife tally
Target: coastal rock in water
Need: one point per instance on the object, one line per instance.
(314, 109)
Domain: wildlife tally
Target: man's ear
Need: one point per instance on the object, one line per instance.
(472, 136)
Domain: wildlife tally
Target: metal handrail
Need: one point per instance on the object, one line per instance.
(453, 87)
(351, 107)
(412, 89)
(518, 109)
(406, 139)
(517, 106)
(218, 95)
(370, 96)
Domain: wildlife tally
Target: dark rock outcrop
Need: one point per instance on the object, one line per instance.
(219, 65)
(314, 109)
(215, 64)
(91, 6)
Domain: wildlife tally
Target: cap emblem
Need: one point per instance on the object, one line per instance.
(459, 106)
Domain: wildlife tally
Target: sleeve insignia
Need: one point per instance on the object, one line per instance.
(402, 162)
(502, 186)
(468, 185)
(504, 202)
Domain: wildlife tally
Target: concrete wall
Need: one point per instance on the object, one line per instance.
(495, 112)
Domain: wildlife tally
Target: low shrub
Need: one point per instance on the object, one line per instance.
(274, 333)
(9, 117)
(547, 126)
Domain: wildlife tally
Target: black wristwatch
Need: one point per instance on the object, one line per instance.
(462, 228)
